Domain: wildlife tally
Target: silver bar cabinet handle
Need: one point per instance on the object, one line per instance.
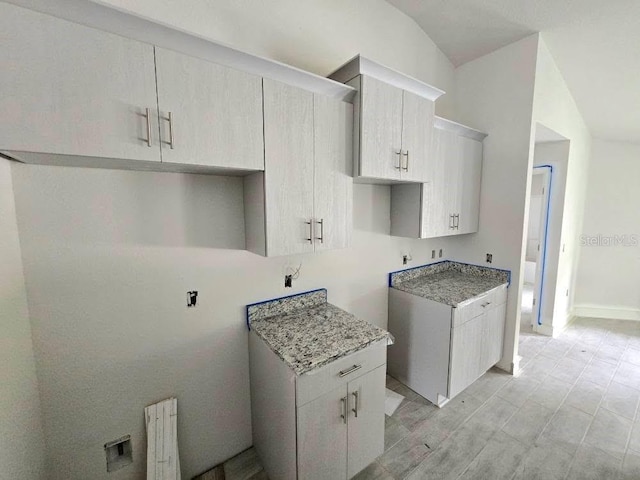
(355, 409)
(399, 153)
(310, 238)
(406, 167)
(457, 221)
(169, 118)
(148, 117)
(343, 415)
(346, 372)
(321, 237)
(451, 226)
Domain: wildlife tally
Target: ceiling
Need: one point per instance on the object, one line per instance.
(596, 44)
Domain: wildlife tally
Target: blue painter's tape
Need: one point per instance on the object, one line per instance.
(278, 298)
(508, 272)
(544, 248)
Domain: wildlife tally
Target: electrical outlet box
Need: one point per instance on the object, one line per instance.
(192, 298)
(119, 453)
(288, 281)
(489, 257)
(440, 254)
(433, 254)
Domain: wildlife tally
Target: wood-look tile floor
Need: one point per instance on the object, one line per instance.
(572, 413)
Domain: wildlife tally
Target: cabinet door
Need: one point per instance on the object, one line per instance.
(366, 430)
(452, 150)
(288, 177)
(417, 127)
(470, 176)
(436, 195)
(380, 129)
(466, 351)
(492, 336)
(333, 189)
(71, 90)
(322, 437)
(216, 113)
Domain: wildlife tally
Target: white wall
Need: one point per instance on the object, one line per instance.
(22, 447)
(495, 94)
(315, 35)
(608, 274)
(555, 108)
(110, 255)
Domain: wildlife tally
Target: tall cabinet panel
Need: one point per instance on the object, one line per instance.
(209, 114)
(417, 127)
(470, 180)
(288, 177)
(435, 201)
(73, 90)
(380, 129)
(333, 189)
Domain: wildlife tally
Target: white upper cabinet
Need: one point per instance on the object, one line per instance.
(380, 129)
(66, 89)
(210, 115)
(303, 201)
(394, 117)
(333, 162)
(288, 177)
(417, 127)
(75, 95)
(449, 204)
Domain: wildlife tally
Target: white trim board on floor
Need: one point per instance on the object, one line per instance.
(603, 311)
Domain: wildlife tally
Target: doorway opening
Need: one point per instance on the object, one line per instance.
(535, 250)
(543, 249)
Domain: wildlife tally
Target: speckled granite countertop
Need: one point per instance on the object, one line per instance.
(307, 332)
(448, 282)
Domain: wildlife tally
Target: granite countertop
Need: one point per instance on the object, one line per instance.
(307, 332)
(451, 283)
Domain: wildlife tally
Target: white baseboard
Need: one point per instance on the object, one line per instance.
(544, 330)
(554, 330)
(602, 311)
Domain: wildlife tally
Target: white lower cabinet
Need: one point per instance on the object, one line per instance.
(328, 424)
(441, 350)
(340, 433)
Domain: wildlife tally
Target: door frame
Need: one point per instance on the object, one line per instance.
(538, 289)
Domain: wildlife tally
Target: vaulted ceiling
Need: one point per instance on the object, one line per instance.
(596, 44)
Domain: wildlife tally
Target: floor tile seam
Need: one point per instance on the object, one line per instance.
(384, 468)
(576, 380)
(562, 402)
(633, 423)
(478, 454)
(396, 443)
(450, 435)
(524, 458)
(593, 417)
(602, 407)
